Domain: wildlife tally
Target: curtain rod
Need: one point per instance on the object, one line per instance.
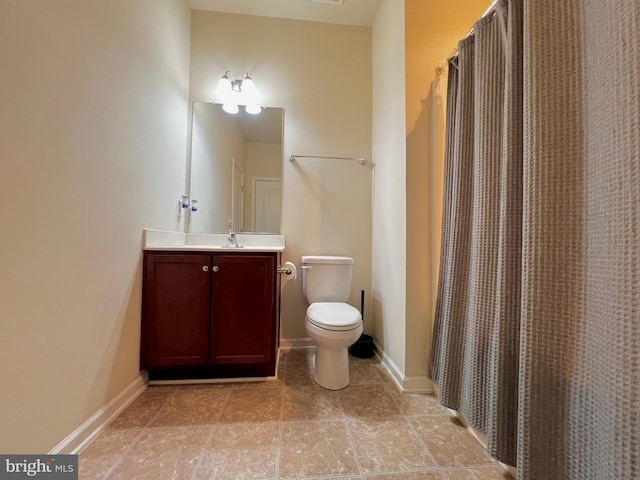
(454, 52)
(362, 160)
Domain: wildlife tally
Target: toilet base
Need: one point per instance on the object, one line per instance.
(331, 367)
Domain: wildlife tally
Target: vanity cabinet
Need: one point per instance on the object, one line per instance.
(207, 315)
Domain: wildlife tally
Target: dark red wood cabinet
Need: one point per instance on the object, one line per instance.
(207, 315)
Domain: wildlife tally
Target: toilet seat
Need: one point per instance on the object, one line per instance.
(334, 316)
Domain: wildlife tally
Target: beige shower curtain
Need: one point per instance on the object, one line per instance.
(537, 329)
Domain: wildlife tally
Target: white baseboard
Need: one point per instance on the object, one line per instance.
(287, 344)
(417, 384)
(396, 374)
(412, 384)
(86, 432)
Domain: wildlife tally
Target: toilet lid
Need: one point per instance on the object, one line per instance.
(333, 315)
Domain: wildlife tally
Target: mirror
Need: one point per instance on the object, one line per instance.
(236, 169)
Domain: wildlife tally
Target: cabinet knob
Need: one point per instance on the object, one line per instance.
(215, 268)
(205, 268)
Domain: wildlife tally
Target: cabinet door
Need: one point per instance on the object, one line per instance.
(175, 319)
(243, 307)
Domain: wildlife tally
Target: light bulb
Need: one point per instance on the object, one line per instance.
(253, 109)
(223, 90)
(249, 91)
(230, 107)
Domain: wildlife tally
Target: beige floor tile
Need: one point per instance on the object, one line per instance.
(296, 375)
(449, 442)
(96, 467)
(261, 385)
(250, 406)
(311, 403)
(299, 368)
(384, 375)
(363, 372)
(368, 402)
(388, 446)
(301, 357)
(142, 410)
(112, 441)
(431, 475)
(478, 473)
(240, 451)
(368, 430)
(357, 477)
(328, 477)
(163, 453)
(418, 403)
(194, 405)
(105, 452)
(314, 449)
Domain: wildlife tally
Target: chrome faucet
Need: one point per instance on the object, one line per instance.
(231, 240)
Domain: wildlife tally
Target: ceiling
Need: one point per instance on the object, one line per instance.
(351, 12)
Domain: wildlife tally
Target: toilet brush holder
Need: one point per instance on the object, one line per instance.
(363, 348)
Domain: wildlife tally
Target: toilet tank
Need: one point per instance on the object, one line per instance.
(326, 278)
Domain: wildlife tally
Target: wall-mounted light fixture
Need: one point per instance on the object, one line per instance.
(232, 92)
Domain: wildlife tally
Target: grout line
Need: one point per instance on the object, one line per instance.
(142, 428)
(206, 443)
(166, 400)
(345, 420)
(424, 445)
(407, 420)
(124, 452)
(202, 452)
(280, 422)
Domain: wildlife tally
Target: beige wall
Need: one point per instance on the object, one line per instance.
(432, 30)
(321, 75)
(92, 147)
(408, 43)
(389, 260)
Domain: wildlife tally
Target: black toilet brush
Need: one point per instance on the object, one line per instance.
(363, 348)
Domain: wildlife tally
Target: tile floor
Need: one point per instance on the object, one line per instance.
(288, 429)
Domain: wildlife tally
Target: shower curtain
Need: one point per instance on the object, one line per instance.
(537, 328)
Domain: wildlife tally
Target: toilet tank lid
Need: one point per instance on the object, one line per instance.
(330, 259)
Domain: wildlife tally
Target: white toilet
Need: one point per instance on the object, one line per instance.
(332, 324)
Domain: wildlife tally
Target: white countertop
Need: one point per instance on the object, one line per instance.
(210, 242)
